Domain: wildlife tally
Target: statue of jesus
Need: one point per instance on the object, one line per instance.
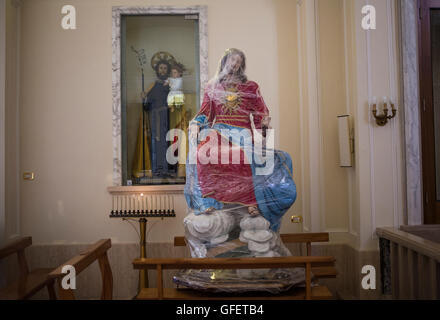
(234, 104)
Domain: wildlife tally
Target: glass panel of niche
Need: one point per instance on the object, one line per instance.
(160, 91)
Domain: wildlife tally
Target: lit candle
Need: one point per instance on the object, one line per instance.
(385, 102)
(374, 101)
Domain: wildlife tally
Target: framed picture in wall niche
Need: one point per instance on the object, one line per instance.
(159, 54)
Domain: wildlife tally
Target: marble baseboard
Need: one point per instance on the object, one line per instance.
(347, 285)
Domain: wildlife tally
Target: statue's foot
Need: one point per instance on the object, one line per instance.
(253, 211)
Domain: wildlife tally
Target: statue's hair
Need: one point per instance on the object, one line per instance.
(240, 76)
(178, 66)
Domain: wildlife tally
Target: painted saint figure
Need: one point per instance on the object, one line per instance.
(163, 105)
(156, 106)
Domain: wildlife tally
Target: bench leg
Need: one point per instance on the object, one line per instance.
(51, 290)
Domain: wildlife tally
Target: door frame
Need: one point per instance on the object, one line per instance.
(409, 33)
(2, 120)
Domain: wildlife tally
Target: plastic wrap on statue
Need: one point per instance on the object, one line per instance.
(238, 187)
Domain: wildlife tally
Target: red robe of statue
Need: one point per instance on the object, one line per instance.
(229, 107)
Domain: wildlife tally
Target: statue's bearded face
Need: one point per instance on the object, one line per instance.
(234, 64)
(162, 71)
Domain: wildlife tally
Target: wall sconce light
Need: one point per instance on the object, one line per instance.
(382, 119)
(346, 142)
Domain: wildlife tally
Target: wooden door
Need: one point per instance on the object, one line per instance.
(429, 36)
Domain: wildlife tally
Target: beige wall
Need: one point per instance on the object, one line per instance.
(65, 108)
(289, 131)
(11, 121)
(343, 67)
(332, 102)
(311, 62)
(323, 96)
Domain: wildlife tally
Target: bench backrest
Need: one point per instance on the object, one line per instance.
(233, 263)
(97, 251)
(301, 238)
(18, 246)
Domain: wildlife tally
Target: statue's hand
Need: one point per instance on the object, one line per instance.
(266, 122)
(143, 96)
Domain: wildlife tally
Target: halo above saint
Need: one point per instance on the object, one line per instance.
(160, 57)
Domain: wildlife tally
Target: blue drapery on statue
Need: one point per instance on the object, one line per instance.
(275, 191)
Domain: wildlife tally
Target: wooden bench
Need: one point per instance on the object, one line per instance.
(29, 282)
(97, 251)
(323, 267)
(305, 239)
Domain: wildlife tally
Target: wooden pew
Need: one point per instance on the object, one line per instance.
(97, 251)
(29, 282)
(320, 267)
(301, 238)
(159, 293)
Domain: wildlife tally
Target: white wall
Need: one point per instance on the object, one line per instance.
(351, 202)
(380, 156)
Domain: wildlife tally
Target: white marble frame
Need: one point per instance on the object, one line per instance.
(411, 101)
(116, 65)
